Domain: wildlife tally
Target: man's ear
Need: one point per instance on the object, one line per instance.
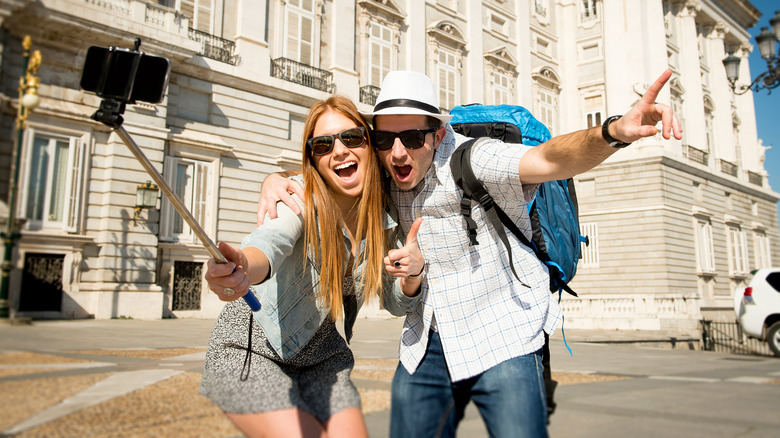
(439, 136)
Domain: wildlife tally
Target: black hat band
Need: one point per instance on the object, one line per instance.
(406, 103)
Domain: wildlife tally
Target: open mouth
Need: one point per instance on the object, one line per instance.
(347, 171)
(402, 172)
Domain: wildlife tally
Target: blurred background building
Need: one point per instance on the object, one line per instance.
(674, 226)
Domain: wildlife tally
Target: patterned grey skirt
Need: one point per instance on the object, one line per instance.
(315, 380)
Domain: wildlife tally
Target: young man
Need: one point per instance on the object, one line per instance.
(478, 331)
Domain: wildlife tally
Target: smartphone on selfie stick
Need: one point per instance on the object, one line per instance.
(121, 76)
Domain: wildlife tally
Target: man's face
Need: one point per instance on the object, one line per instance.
(407, 166)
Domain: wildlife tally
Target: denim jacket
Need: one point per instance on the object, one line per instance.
(290, 313)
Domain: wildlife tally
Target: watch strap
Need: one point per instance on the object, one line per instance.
(613, 142)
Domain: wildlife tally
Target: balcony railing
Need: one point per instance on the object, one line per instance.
(303, 74)
(141, 11)
(696, 155)
(214, 47)
(755, 178)
(728, 167)
(368, 94)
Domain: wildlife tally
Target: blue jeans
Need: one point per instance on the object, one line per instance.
(510, 397)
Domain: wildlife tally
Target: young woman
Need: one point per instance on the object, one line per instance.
(284, 371)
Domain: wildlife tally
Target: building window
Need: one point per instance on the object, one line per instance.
(594, 108)
(447, 74)
(53, 179)
(187, 285)
(677, 107)
(380, 53)
(199, 12)
(738, 255)
(501, 88)
(708, 130)
(704, 246)
(588, 10)
(590, 253)
(593, 119)
(190, 180)
(763, 252)
(546, 101)
(299, 31)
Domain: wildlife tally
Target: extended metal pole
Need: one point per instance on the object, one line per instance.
(179, 206)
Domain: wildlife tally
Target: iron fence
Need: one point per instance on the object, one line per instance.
(214, 47)
(303, 74)
(187, 285)
(695, 155)
(755, 178)
(728, 167)
(727, 337)
(368, 94)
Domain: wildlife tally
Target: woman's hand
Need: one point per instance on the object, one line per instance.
(407, 262)
(228, 280)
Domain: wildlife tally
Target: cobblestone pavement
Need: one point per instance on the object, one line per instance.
(122, 378)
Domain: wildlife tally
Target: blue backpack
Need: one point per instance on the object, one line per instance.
(553, 212)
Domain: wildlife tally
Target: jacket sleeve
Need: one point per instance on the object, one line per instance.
(276, 238)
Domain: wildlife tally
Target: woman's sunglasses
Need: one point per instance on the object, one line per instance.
(351, 138)
(411, 139)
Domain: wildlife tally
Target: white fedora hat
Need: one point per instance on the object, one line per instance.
(407, 92)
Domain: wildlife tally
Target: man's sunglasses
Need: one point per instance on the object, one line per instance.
(351, 138)
(411, 139)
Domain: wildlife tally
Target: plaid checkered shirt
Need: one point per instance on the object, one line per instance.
(484, 316)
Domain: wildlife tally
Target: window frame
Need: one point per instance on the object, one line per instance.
(196, 8)
(302, 13)
(74, 184)
(500, 90)
(380, 43)
(762, 249)
(589, 7)
(705, 247)
(739, 261)
(589, 254)
(448, 93)
(168, 213)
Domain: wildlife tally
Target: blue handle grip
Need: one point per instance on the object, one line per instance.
(251, 299)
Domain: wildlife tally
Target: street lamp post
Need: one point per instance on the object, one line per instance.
(28, 101)
(767, 43)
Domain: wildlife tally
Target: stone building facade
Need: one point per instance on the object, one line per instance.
(674, 225)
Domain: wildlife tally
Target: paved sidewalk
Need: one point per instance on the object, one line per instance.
(133, 378)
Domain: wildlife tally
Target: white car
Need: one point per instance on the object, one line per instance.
(758, 307)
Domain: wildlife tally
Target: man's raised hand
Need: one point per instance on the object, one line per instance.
(276, 187)
(641, 120)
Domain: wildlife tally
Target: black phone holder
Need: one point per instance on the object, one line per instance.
(110, 113)
(121, 76)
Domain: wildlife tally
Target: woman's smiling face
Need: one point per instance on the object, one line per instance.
(343, 169)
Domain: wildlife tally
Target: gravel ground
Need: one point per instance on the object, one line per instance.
(172, 407)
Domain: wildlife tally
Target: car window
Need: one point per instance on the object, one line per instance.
(774, 280)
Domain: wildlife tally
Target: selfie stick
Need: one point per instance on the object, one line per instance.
(109, 114)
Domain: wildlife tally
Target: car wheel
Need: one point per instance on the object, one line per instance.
(773, 338)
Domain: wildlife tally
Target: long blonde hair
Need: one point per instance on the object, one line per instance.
(320, 209)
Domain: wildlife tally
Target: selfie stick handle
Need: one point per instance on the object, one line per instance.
(179, 206)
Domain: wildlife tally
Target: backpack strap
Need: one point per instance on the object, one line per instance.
(473, 189)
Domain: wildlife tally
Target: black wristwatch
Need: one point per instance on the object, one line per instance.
(608, 138)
